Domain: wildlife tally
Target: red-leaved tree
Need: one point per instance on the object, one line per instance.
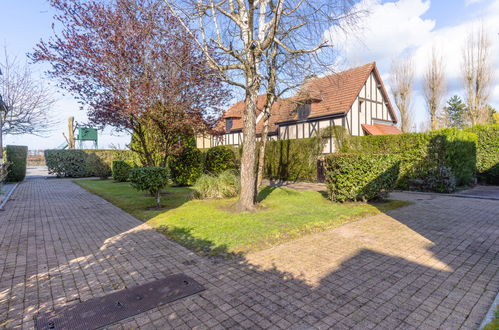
(135, 69)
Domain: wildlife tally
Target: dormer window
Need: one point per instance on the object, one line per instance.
(228, 124)
(303, 111)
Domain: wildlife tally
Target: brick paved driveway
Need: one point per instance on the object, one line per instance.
(431, 264)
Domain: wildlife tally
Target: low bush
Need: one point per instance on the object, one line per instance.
(151, 179)
(487, 152)
(96, 166)
(219, 159)
(440, 179)
(121, 170)
(423, 154)
(222, 185)
(186, 167)
(4, 170)
(354, 177)
(73, 162)
(67, 163)
(16, 157)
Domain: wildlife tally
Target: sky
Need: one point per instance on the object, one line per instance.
(392, 29)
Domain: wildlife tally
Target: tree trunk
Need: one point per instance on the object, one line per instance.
(434, 120)
(247, 197)
(261, 153)
(263, 140)
(158, 199)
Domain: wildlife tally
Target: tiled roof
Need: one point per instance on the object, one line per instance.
(333, 94)
(381, 129)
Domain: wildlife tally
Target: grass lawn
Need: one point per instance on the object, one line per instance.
(494, 324)
(209, 226)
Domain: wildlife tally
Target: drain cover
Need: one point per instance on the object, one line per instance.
(98, 312)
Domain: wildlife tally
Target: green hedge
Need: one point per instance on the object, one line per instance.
(121, 170)
(16, 156)
(292, 160)
(354, 177)
(219, 159)
(424, 154)
(487, 152)
(187, 167)
(97, 166)
(74, 162)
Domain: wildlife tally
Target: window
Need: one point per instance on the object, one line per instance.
(228, 124)
(303, 111)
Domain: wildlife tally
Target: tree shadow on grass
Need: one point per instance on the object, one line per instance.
(202, 247)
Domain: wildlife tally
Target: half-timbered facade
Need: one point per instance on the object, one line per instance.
(355, 99)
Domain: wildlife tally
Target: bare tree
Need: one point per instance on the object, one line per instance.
(434, 86)
(477, 74)
(402, 79)
(28, 101)
(240, 33)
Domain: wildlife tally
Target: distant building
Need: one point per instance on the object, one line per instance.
(355, 99)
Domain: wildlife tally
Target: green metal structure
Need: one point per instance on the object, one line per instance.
(87, 134)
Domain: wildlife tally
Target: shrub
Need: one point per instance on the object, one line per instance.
(439, 179)
(73, 162)
(223, 185)
(353, 177)
(151, 179)
(423, 154)
(67, 163)
(219, 159)
(187, 167)
(96, 166)
(292, 160)
(121, 170)
(4, 170)
(16, 157)
(487, 152)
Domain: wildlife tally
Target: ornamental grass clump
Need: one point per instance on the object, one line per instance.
(151, 179)
(224, 185)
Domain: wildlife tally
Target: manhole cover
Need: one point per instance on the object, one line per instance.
(99, 312)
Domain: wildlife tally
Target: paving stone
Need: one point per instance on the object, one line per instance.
(433, 263)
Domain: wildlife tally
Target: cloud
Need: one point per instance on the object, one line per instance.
(395, 30)
(472, 2)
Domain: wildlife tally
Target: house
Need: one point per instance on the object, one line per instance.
(355, 99)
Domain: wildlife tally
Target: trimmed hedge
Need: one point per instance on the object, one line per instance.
(360, 177)
(121, 170)
(187, 167)
(219, 159)
(423, 155)
(97, 166)
(67, 163)
(74, 162)
(292, 160)
(487, 152)
(16, 156)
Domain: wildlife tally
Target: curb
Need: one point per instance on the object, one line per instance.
(491, 313)
(6, 199)
(447, 195)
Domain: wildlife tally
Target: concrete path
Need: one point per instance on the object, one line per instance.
(433, 264)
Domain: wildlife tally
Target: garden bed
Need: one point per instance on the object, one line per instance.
(209, 226)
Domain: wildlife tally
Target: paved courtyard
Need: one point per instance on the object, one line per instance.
(432, 264)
